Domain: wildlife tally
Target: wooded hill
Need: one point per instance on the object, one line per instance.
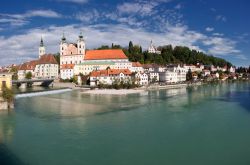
(169, 55)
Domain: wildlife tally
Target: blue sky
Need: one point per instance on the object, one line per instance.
(217, 27)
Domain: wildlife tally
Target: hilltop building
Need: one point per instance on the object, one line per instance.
(153, 49)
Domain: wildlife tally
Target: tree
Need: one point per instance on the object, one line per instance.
(130, 47)
(28, 75)
(189, 75)
(7, 94)
(103, 47)
(14, 71)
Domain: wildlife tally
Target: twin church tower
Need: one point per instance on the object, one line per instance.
(67, 48)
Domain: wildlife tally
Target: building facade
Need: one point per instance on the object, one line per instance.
(153, 49)
(70, 55)
(109, 76)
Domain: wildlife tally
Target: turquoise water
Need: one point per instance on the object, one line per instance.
(206, 125)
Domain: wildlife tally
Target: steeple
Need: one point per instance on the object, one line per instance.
(81, 36)
(41, 48)
(41, 42)
(81, 44)
(63, 38)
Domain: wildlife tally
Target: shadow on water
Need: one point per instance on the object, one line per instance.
(8, 158)
(241, 97)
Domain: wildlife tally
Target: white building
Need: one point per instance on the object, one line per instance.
(193, 68)
(206, 72)
(67, 71)
(153, 76)
(141, 78)
(45, 67)
(181, 72)
(109, 76)
(232, 69)
(173, 74)
(86, 67)
(103, 59)
(168, 77)
(136, 67)
(153, 49)
(70, 55)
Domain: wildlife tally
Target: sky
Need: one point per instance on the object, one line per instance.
(217, 27)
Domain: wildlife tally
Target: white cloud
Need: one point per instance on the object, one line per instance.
(178, 6)
(209, 29)
(221, 46)
(141, 7)
(42, 13)
(88, 17)
(19, 51)
(74, 1)
(221, 18)
(23, 19)
(218, 34)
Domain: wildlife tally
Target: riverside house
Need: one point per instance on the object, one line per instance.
(109, 76)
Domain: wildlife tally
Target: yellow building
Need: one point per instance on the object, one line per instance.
(5, 80)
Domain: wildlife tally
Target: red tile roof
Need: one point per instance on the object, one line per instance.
(136, 64)
(105, 54)
(28, 65)
(45, 59)
(67, 66)
(109, 72)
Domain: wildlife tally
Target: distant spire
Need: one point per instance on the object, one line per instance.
(81, 35)
(63, 37)
(41, 42)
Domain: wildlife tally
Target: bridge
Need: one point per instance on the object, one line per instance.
(29, 82)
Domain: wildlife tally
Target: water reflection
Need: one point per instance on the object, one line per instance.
(240, 96)
(7, 126)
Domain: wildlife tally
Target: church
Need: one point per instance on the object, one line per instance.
(45, 67)
(74, 59)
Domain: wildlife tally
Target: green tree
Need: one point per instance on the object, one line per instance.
(28, 75)
(189, 75)
(7, 94)
(14, 71)
(130, 47)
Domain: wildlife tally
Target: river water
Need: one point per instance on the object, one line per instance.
(205, 125)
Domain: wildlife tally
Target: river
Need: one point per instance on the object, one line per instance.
(204, 125)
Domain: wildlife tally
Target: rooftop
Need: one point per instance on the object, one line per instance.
(105, 54)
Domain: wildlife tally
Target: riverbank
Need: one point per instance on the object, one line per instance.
(114, 91)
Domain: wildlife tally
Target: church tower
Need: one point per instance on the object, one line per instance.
(41, 48)
(81, 45)
(63, 45)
